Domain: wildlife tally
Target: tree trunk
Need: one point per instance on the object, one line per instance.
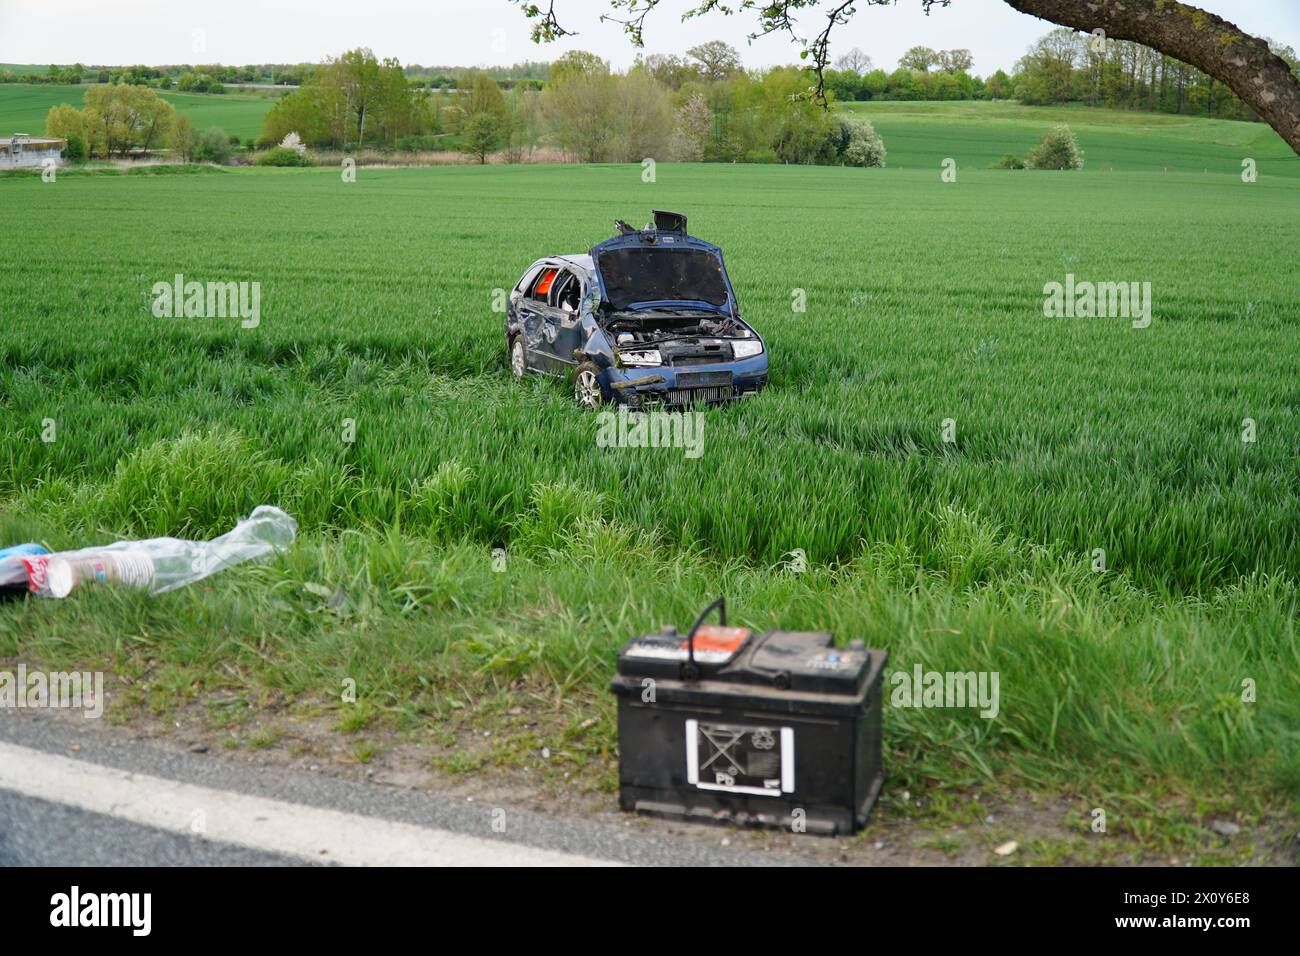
(1241, 62)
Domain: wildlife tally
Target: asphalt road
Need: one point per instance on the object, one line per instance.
(72, 797)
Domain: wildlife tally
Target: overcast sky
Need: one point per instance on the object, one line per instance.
(494, 32)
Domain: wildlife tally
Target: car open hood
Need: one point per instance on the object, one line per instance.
(662, 269)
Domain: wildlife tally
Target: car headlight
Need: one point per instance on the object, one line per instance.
(746, 347)
(642, 357)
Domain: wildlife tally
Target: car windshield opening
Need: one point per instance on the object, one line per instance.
(650, 275)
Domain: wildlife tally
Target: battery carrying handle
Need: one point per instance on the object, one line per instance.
(691, 670)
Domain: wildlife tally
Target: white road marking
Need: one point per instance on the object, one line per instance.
(276, 826)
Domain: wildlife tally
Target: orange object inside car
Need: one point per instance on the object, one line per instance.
(544, 283)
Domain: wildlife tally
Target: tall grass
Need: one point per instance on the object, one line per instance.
(924, 304)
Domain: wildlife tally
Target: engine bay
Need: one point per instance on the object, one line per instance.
(645, 328)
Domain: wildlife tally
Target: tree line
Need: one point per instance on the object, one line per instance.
(1070, 67)
(710, 110)
(703, 106)
(1064, 66)
(203, 78)
(118, 119)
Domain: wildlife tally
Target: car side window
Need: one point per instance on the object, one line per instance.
(527, 280)
(541, 289)
(566, 292)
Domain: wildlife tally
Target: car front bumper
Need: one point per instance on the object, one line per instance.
(683, 386)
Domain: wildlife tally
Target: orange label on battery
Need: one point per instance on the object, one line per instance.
(712, 637)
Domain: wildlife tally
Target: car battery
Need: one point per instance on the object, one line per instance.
(780, 728)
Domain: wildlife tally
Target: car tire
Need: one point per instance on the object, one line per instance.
(586, 386)
(518, 357)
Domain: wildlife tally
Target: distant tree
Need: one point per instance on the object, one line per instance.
(482, 135)
(315, 112)
(691, 130)
(358, 76)
(920, 58)
(863, 146)
(998, 86)
(643, 118)
(1062, 43)
(671, 71)
(875, 83)
(116, 118)
(717, 60)
(797, 130)
(845, 85)
(523, 123)
(350, 100)
(482, 94)
(944, 86)
(953, 61)
(484, 124)
(184, 138)
(1058, 150)
(213, 146)
(578, 105)
(903, 84)
(1047, 70)
(75, 151)
(65, 121)
(854, 61)
(401, 109)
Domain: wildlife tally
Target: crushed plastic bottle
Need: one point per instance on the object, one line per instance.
(160, 564)
(13, 573)
(21, 550)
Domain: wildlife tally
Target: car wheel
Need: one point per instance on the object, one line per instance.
(586, 386)
(518, 358)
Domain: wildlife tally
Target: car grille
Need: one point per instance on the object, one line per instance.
(692, 396)
(685, 352)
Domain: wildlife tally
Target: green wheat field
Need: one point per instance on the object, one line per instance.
(1166, 685)
(23, 108)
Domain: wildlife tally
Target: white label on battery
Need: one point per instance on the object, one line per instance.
(730, 753)
(787, 759)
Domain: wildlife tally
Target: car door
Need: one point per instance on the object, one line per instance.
(533, 311)
(519, 311)
(564, 325)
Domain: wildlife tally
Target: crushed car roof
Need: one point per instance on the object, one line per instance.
(582, 261)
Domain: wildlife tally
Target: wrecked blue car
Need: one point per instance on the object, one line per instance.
(647, 318)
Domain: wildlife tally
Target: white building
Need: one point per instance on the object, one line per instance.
(21, 150)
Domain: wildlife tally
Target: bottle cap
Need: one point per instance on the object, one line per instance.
(58, 577)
